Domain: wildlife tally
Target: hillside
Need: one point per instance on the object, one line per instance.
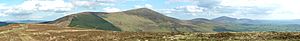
(45, 32)
(86, 20)
(136, 20)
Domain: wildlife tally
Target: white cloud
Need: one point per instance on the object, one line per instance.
(91, 3)
(2, 6)
(108, 0)
(188, 9)
(28, 8)
(110, 9)
(277, 16)
(253, 9)
(144, 6)
(3, 15)
(182, 0)
(37, 17)
(116, 1)
(167, 11)
(239, 3)
(99, 2)
(283, 14)
(45, 5)
(191, 8)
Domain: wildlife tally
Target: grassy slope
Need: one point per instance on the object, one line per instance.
(144, 20)
(134, 23)
(175, 25)
(93, 22)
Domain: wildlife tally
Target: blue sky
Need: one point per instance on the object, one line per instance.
(181, 9)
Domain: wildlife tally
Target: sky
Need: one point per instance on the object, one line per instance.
(181, 9)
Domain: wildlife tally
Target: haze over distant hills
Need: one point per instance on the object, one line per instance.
(3, 23)
(24, 21)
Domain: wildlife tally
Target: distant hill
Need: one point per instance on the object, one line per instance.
(3, 23)
(225, 19)
(24, 21)
(245, 25)
(136, 20)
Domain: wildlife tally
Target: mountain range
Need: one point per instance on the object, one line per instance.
(24, 21)
(3, 23)
(147, 20)
(136, 20)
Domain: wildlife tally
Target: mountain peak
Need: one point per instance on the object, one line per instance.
(2, 22)
(197, 19)
(145, 12)
(224, 18)
(141, 9)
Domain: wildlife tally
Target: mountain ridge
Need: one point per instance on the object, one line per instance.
(147, 20)
(135, 20)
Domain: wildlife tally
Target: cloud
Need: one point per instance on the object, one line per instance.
(98, 2)
(191, 9)
(28, 8)
(144, 6)
(107, 1)
(45, 5)
(20, 15)
(253, 9)
(181, 0)
(36, 17)
(2, 15)
(208, 3)
(42, 9)
(91, 3)
(2, 6)
(110, 9)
